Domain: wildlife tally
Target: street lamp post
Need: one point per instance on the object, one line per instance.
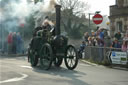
(89, 25)
(89, 20)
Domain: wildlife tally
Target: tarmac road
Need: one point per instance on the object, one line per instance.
(17, 71)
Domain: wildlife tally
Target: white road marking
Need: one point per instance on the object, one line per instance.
(15, 79)
(92, 64)
(26, 66)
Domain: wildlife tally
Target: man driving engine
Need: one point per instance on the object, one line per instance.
(47, 24)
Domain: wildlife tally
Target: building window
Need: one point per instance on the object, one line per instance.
(120, 26)
(116, 2)
(125, 3)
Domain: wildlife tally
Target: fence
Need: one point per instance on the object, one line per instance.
(99, 54)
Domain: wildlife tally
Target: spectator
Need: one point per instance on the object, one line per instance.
(85, 38)
(100, 42)
(96, 41)
(19, 44)
(116, 44)
(118, 36)
(93, 34)
(10, 43)
(125, 37)
(93, 41)
(107, 41)
(14, 38)
(90, 41)
(81, 50)
(124, 46)
(101, 34)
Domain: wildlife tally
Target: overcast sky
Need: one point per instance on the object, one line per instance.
(100, 5)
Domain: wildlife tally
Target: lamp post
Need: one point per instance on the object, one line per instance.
(89, 18)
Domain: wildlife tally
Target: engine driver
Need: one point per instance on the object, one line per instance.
(47, 24)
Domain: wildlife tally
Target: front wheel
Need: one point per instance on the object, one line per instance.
(71, 57)
(46, 56)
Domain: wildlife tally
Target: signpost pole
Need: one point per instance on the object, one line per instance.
(89, 20)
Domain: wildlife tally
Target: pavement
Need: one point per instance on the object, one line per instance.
(13, 55)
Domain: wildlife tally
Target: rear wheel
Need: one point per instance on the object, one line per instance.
(58, 61)
(46, 56)
(71, 59)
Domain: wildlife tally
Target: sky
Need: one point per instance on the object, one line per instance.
(100, 5)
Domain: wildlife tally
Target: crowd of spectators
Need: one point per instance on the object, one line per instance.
(14, 43)
(101, 38)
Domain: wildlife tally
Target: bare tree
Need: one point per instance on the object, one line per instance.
(72, 10)
(76, 6)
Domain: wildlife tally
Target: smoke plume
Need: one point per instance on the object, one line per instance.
(13, 13)
(45, 9)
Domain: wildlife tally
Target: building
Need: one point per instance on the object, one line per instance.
(119, 17)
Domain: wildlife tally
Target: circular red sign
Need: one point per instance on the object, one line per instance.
(97, 19)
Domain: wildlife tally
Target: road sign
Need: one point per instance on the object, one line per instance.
(118, 57)
(97, 19)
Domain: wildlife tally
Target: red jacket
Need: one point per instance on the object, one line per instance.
(10, 38)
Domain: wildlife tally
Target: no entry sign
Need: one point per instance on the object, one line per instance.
(97, 19)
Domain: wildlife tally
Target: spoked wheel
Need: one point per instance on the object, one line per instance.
(58, 61)
(71, 57)
(46, 56)
(32, 57)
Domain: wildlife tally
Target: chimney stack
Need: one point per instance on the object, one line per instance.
(58, 18)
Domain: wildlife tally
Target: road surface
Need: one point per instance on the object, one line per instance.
(17, 71)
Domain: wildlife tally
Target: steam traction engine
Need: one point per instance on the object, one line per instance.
(52, 49)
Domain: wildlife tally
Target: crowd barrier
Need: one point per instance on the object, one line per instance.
(100, 55)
